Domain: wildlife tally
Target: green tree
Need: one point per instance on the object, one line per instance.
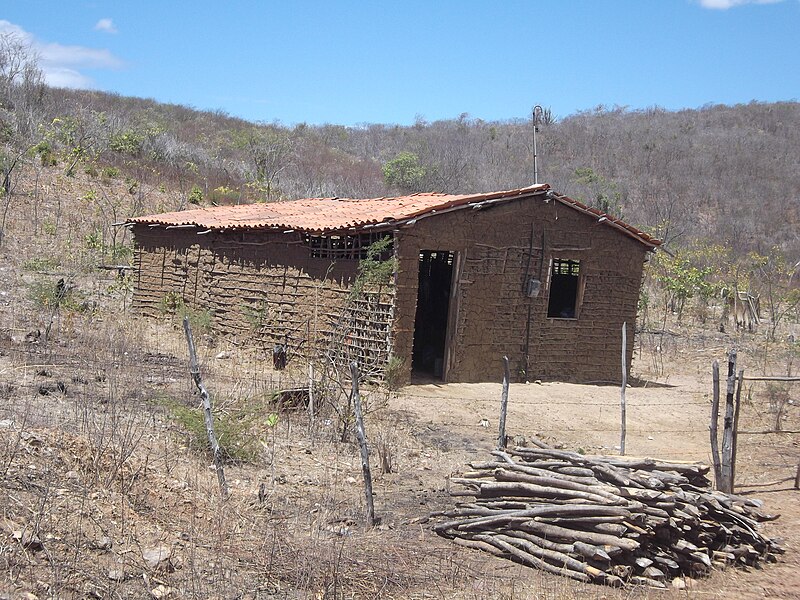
(405, 172)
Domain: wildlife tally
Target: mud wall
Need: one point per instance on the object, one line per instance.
(498, 250)
(262, 288)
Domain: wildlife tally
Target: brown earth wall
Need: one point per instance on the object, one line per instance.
(496, 248)
(257, 287)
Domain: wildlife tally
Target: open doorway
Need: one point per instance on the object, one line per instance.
(433, 303)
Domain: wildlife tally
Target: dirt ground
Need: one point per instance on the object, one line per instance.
(101, 474)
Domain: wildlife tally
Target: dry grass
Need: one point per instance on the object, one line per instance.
(95, 471)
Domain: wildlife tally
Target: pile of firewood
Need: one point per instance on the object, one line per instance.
(604, 519)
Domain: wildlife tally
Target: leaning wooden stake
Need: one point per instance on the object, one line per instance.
(194, 369)
(362, 443)
(712, 428)
(624, 427)
(727, 433)
(501, 437)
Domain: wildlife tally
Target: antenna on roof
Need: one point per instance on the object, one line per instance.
(536, 117)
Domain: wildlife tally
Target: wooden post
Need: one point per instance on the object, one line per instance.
(714, 424)
(362, 443)
(311, 407)
(194, 369)
(501, 436)
(622, 405)
(727, 432)
(738, 404)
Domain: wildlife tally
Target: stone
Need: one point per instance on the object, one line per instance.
(161, 591)
(102, 543)
(116, 575)
(678, 584)
(158, 558)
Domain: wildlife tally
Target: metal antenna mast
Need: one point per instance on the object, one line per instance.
(537, 115)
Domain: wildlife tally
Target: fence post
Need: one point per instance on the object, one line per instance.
(362, 443)
(712, 428)
(727, 433)
(623, 408)
(737, 406)
(194, 369)
(501, 436)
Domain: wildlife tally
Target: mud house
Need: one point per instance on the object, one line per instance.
(526, 273)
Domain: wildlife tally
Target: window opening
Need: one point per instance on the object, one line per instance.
(564, 279)
(345, 247)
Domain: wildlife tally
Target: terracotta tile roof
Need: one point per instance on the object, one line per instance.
(323, 215)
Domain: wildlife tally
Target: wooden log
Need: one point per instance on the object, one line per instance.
(532, 469)
(553, 482)
(527, 558)
(591, 552)
(514, 488)
(479, 545)
(596, 539)
(557, 559)
(505, 517)
(581, 472)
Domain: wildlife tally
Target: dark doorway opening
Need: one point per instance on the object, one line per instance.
(433, 303)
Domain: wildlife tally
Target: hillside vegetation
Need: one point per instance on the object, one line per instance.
(105, 484)
(720, 184)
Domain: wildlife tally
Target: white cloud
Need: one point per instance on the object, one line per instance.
(68, 78)
(106, 25)
(726, 4)
(62, 64)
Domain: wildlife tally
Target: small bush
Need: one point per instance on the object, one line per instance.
(110, 173)
(47, 294)
(41, 263)
(393, 372)
(200, 320)
(49, 227)
(224, 195)
(171, 302)
(233, 429)
(196, 195)
(93, 241)
(121, 252)
(45, 154)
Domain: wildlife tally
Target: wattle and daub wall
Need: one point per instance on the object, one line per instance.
(498, 250)
(265, 288)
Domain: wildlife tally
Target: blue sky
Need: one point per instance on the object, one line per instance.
(349, 62)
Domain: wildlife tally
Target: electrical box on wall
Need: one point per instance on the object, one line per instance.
(532, 290)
